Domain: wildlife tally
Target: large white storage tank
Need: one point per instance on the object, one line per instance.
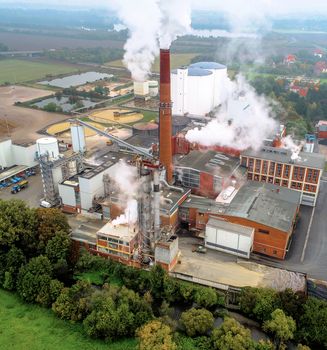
(179, 84)
(78, 138)
(141, 89)
(229, 237)
(219, 72)
(48, 146)
(200, 91)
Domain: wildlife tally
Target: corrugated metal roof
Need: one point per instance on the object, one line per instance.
(228, 226)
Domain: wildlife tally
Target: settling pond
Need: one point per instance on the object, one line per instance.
(64, 103)
(76, 79)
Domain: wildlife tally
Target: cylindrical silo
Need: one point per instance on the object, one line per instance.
(78, 138)
(179, 90)
(145, 129)
(153, 88)
(200, 91)
(48, 146)
(219, 72)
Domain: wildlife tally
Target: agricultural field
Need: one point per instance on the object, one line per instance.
(177, 60)
(19, 71)
(30, 327)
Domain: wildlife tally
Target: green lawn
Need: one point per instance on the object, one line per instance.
(19, 71)
(30, 327)
(177, 60)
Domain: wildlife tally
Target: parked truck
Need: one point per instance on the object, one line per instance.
(19, 186)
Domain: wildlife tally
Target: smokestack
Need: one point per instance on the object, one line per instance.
(165, 123)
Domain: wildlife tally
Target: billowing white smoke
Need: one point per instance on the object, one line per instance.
(220, 33)
(125, 178)
(175, 20)
(150, 22)
(142, 18)
(288, 143)
(130, 215)
(243, 122)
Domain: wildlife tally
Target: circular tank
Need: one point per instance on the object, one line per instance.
(48, 146)
(145, 129)
(153, 88)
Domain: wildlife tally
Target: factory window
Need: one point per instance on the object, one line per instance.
(285, 183)
(279, 170)
(293, 184)
(250, 176)
(265, 167)
(299, 186)
(286, 171)
(113, 246)
(307, 187)
(266, 232)
(103, 238)
(277, 182)
(313, 188)
(191, 178)
(301, 174)
(270, 180)
(244, 161)
(264, 178)
(272, 168)
(256, 178)
(257, 166)
(275, 252)
(114, 240)
(315, 176)
(309, 175)
(251, 161)
(298, 173)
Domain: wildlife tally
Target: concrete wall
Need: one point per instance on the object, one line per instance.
(6, 156)
(67, 194)
(24, 155)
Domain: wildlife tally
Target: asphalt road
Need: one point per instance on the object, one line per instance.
(312, 259)
(31, 195)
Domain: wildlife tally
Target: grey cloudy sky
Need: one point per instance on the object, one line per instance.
(240, 6)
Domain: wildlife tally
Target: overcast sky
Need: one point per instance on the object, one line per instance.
(267, 6)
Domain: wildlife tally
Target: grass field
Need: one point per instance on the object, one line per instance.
(177, 60)
(30, 327)
(19, 71)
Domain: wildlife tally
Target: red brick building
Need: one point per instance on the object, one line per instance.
(276, 166)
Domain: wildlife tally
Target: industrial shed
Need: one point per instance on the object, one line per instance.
(228, 237)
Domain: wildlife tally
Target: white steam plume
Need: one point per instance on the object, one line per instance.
(175, 20)
(288, 143)
(125, 178)
(142, 18)
(220, 33)
(243, 122)
(150, 22)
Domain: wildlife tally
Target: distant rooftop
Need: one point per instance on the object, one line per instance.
(208, 65)
(281, 155)
(195, 72)
(267, 204)
(211, 162)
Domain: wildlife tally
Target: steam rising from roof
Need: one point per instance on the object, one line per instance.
(244, 121)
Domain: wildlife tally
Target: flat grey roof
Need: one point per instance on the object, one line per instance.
(90, 173)
(225, 225)
(170, 199)
(266, 203)
(205, 205)
(281, 155)
(142, 141)
(211, 162)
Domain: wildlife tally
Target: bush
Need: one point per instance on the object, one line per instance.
(197, 322)
(205, 297)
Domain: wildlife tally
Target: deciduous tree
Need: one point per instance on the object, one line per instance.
(197, 321)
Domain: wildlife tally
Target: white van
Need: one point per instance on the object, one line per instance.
(45, 204)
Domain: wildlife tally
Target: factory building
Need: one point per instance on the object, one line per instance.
(321, 128)
(198, 89)
(206, 173)
(276, 166)
(12, 153)
(269, 210)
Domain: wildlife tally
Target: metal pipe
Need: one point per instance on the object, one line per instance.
(156, 202)
(115, 139)
(172, 187)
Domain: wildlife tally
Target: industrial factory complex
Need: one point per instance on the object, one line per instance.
(237, 201)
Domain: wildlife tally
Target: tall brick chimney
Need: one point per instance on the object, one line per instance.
(165, 123)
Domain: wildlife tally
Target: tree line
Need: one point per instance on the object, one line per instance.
(38, 263)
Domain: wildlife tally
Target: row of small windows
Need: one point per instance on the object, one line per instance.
(279, 170)
(112, 241)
